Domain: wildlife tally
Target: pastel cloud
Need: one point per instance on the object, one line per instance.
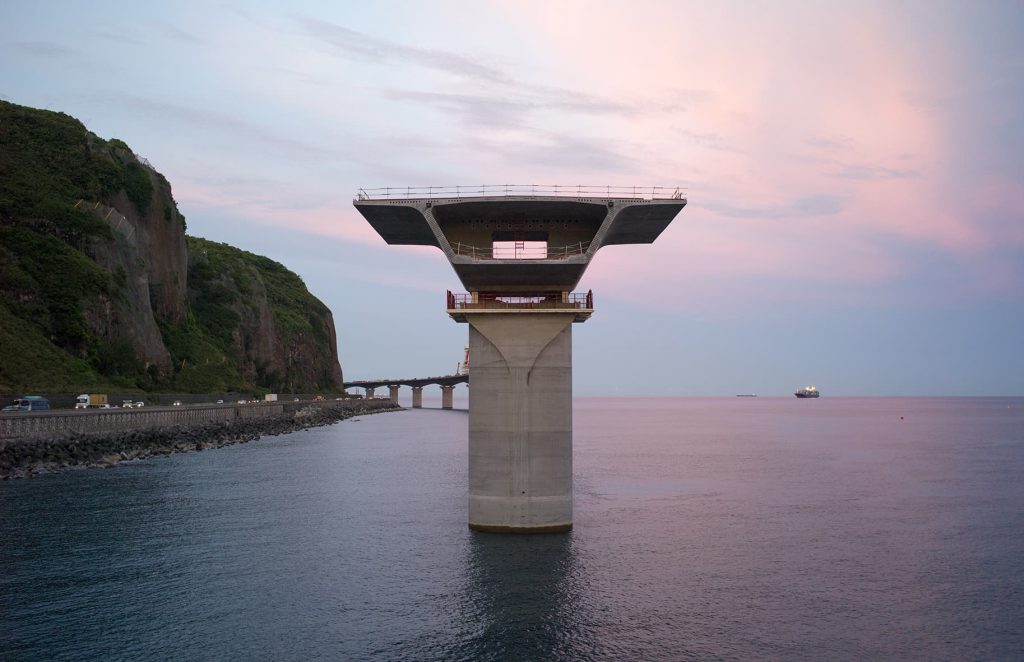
(385, 51)
(805, 141)
(259, 203)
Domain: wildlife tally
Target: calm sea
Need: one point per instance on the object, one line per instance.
(731, 528)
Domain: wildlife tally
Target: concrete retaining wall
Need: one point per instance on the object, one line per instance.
(53, 423)
(67, 400)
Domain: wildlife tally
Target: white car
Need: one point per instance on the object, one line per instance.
(220, 402)
(140, 404)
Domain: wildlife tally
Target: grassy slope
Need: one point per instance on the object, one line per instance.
(32, 363)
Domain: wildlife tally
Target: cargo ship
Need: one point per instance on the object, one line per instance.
(807, 392)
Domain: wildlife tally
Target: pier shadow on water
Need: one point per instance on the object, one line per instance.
(521, 589)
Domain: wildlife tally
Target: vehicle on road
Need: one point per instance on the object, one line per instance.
(92, 400)
(176, 403)
(28, 403)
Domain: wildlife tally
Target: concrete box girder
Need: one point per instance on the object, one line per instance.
(561, 222)
(455, 223)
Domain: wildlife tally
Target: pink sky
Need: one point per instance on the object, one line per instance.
(835, 154)
(806, 142)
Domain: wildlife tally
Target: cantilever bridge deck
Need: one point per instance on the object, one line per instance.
(578, 191)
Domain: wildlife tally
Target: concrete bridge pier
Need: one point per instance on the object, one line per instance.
(519, 252)
(369, 392)
(446, 396)
(520, 422)
(417, 397)
(393, 392)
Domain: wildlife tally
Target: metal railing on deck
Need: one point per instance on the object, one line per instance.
(572, 301)
(522, 190)
(518, 251)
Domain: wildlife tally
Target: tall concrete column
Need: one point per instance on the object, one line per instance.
(520, 422)
(446, 397)
(393, 388)
(417, 397)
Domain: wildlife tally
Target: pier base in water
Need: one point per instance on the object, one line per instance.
(520, 422)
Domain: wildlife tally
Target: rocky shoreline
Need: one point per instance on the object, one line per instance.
(24, 458)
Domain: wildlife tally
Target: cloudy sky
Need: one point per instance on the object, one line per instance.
(854, 169)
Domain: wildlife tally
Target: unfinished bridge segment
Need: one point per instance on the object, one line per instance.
(519, 252)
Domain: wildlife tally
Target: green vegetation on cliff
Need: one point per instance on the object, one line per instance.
(231, 290)
(99, 287)
(28, 359)
(49, 161)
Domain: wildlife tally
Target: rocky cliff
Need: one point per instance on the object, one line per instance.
(257, 311)
(100, 287)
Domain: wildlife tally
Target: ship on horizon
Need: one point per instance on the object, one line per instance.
(807, 392)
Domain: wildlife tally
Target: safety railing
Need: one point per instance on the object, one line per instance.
(519, 251)
(523, 190)
(117, 221)
(481, 301)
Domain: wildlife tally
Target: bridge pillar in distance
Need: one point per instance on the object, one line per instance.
(446, 397)
(369, 392)
(393, 392)
(417, 397)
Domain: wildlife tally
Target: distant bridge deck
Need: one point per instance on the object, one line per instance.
(444, 380)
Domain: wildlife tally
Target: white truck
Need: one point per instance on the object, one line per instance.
(270, 397)
(91, 401)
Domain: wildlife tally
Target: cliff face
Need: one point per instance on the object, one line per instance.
(94, 279)
(260, 312)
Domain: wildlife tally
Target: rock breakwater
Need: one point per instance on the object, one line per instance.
(25, 457)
